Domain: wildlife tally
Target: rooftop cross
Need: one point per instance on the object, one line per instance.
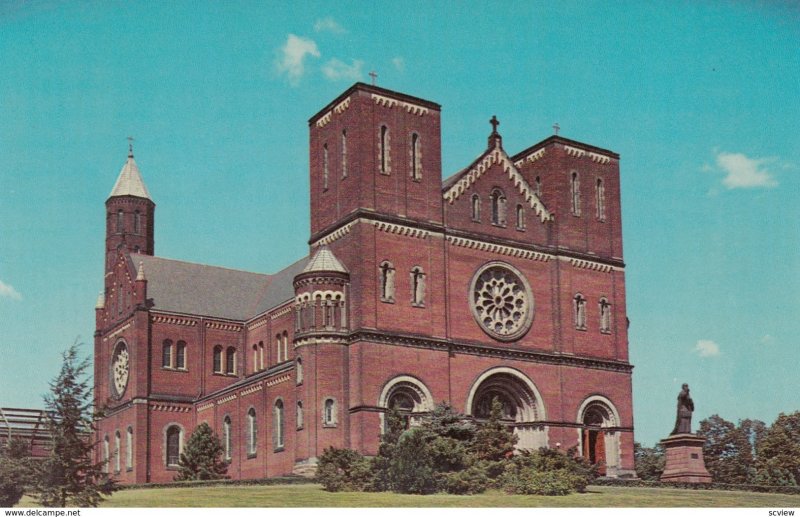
(556, 127)
(494, 122)
(374, 76)
(130, 147)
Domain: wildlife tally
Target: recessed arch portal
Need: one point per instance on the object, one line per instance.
(408, 395)
(597, 438)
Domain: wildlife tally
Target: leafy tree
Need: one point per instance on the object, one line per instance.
(727, 452)
(70, 476)
(649, 461)
(343, 470)
(778, 452)
(202, 456)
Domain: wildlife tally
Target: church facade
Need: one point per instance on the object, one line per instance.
(504, 281)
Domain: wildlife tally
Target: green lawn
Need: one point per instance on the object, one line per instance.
(313, 495)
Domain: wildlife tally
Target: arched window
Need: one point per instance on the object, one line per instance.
(416, 158)
(227, 438)
(387, 281)
(117, 447)
(129, 449)
(218, 359)
(278, 424)
(120, 221)
(106, 455)
(344, 153)
(605, 315)
(174, 444)
(299, 415)
(137, 222)
(417, 287)
(285, 345)
(255, 358)
(329, 412)
(580, 312)
(385, 165)
(600, 194)
(538, 186)
(251, 432)
(325, 167)
(476, 207)
(261, 363)
(299, 371)
(278, 348)
(575, 193)
(180, 355)
(520, 217)
(166, 354)
(498, 207)
(230, 361)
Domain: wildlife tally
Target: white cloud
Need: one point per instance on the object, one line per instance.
(293, 55)
(399, 63)
(336, 70)
(330, 25)
(8, 291)
(745, 172)
(766, 339)
(706, 348)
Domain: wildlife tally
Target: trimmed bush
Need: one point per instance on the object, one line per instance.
(343, 470)
(466, 482)
(546, 472)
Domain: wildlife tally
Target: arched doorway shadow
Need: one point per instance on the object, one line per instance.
(599, 442)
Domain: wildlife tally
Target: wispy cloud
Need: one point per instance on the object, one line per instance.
(291, 60)
(706, 348)
(328, 24)
(766, 339)
(399, 63)
(742, 171)
(336, 70)
(8, 291)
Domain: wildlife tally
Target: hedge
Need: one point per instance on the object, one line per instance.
(772, 489)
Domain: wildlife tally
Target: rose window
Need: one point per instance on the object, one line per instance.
(119, 369)
(502, 302)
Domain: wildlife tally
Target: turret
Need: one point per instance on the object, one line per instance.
(321, 295)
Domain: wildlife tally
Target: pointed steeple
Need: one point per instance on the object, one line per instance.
(324, 260)
(130, 182)
(140, 273)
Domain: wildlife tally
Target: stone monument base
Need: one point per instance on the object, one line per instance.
(684, 459)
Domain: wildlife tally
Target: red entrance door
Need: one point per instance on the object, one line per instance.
(594, 448)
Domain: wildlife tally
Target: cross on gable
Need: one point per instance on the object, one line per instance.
(130, 147)
(374, 76)
(494, 122)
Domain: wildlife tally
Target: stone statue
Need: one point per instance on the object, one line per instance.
(683, 420)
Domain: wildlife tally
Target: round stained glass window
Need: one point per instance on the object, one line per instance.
(501, 301)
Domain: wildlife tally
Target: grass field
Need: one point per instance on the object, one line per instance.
(314, 496)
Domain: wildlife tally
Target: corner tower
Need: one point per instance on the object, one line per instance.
(130, 214)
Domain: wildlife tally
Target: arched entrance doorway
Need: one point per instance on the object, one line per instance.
(599, 441)
(407, 395)
(522, 406)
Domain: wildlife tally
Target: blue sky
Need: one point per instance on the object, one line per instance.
(701, 100)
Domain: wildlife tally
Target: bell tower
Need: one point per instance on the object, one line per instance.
(130, 214)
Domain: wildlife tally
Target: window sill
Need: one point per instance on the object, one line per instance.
(299, 428)
(582, 329)
(606, 331)
(329, 426)
(500, 225)
(279, 449)
(129, 469)
(387, 300)
(251, 455)
(520, 229)
(173, 467)
(418, 305)
(178, 370)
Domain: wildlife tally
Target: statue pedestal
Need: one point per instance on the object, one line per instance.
(684, 459)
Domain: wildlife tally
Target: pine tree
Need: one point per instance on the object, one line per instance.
(70, 476)
(493, 441)
(202, 456)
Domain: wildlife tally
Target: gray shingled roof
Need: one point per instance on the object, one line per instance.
(202, 290)
(324, 260)
(130, 182)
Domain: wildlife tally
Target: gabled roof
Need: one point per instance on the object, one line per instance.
(129, 182)
(462, 181)
(198, 289)
(324, 260)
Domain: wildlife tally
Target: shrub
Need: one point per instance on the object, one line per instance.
(411, 468)
(533, 482)
(466, 482)
(202, 456)
(546, 472)
(11, 484)
(343, 470)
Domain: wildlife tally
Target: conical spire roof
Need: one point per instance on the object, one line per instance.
(324, 260)
(129, 182)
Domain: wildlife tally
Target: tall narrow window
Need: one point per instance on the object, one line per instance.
(180, 355)
(173, 446)
(299, 415)
(278, 424)
(129, 448)
(329, 412)
(117, 447)
(575, 193)
(166, 354)
(416, 158)
(255, 358)
(230, 361)
(325, 167)
(218, 359)
(476, 207)
(387, 282)
(278, 348)
(580, 312)
(251, 431)
(600, 193)
(227, 438)
(498, 207)
(137, 222)
(520, 217)
(120, 221)
(538, 187)
(299, 371)
(605, 316)
(106, 455)
(285, 346)
(385, 166)
(417, 287)
(261, 355)
(344, 153)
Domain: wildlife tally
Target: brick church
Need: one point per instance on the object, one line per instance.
(505, 280)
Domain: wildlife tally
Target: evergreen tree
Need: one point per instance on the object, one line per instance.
(70, 476)
(14, 472)
(493, 441)
(202, 456)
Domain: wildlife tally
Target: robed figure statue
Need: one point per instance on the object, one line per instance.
(683, 421)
